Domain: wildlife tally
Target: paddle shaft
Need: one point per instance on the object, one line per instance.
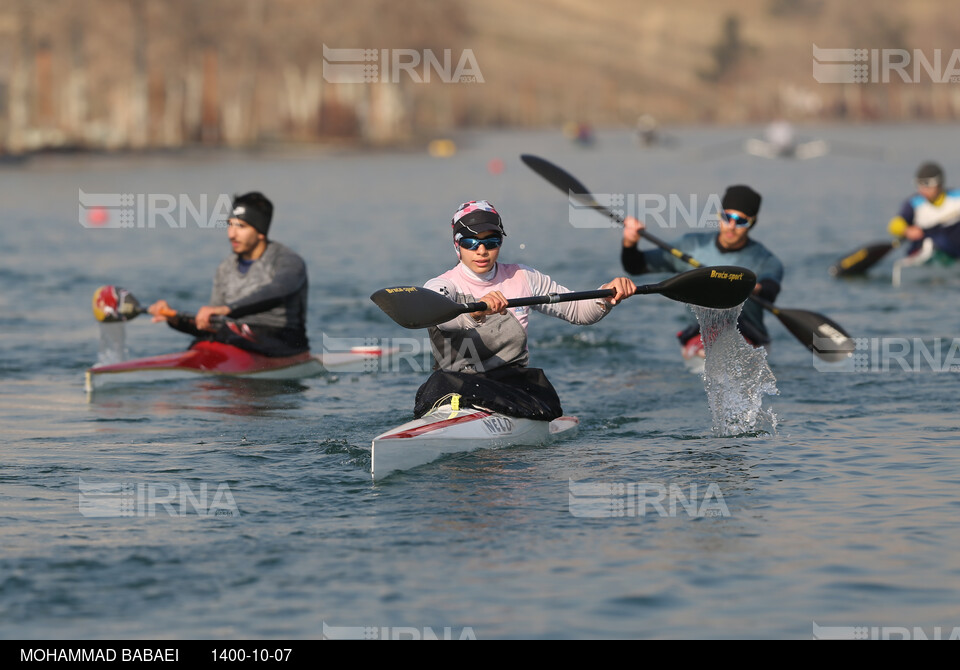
(769, 306)
(718, 287)
(545, 299)
(169, 313)
(174, 314)
(643, 289)
(215, 320)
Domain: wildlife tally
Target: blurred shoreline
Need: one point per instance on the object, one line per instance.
(683, 137)
(129, 75)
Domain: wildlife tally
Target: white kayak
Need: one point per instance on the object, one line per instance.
(446, 430)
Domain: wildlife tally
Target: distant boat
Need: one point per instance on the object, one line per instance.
(780, 141)
(649, 135)
(580, 133)
(442, 148)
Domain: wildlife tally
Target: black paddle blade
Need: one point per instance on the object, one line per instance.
(719, 287)
(862, 259)
(557, 176)
(416, 307)
(567, 183)
(824, 337)
(112, 304)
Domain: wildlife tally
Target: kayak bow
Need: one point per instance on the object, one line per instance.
(445, 430)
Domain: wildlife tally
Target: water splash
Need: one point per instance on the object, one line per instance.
(113, 343)
(735, 375)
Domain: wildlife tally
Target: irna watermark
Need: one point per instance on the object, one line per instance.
(885, 633)
(665, 210)
(394, 354)
(881, 66)
(605, 500)
(151, 499)
(889, 354)
(150, 210)
(390, 66)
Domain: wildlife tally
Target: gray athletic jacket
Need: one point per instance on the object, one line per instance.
(272, 293)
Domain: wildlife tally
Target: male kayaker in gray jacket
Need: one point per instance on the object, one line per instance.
(261, 289)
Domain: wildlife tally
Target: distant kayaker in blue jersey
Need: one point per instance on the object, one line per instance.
(730, 246)
(931, 218)
(261, 289)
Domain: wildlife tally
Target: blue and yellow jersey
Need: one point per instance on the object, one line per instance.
(940, 219)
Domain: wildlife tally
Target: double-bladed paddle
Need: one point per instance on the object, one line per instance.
(864, 258)
(720, 287)
(808, 327)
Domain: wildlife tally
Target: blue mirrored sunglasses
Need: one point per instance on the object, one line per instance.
(473, 243)
(737, 220)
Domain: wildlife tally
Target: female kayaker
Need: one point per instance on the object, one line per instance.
(261, 288)
(483, 356)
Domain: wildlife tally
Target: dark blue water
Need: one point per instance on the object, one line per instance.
(844, 515)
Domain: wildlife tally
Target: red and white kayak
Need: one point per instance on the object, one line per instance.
(694, 357)
(446, 430)
(222, 360)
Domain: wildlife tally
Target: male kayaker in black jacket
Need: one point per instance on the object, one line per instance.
(261, 289)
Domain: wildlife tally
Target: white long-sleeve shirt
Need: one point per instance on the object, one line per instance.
(464, 345)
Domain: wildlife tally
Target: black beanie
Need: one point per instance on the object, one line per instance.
(742, 199)
(253, 208)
